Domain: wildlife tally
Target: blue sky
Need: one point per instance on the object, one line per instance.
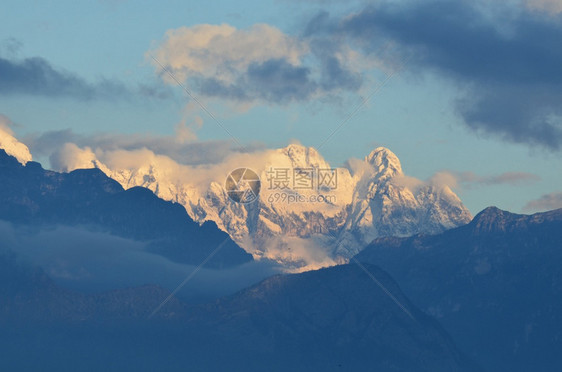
(479, 95)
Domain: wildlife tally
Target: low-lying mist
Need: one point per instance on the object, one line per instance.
(86, 260)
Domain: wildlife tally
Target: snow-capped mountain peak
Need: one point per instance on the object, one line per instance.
(300, 156)
(384, 162)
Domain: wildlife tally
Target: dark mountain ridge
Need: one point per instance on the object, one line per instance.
(30, 195)
(495, 284)
(331, 319)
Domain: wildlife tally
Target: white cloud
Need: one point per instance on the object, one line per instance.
(544, 203)
(411, 183)
(124, 163)
(70, 157)
(185, 132)
(182, 146)
(257, 64)
(442, 179)
(222, 51)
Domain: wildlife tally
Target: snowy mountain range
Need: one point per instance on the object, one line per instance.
(310, 227)
(308, 214)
